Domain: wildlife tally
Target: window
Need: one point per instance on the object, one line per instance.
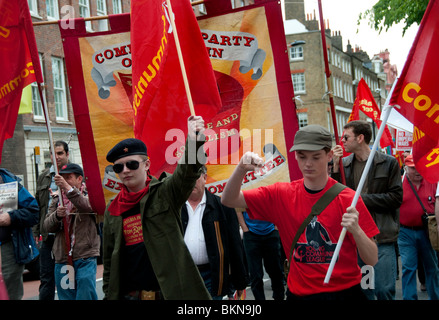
(298, 82)
(59, 89)
(102, 11)
(84, 12)
(52, 9)
(303, 119)
(117, 6)
(296, 53)
(33, 7)
(37, 106)
(202, 8)
(342, 116)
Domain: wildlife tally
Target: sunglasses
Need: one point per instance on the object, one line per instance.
(346, 137)
(132, 165)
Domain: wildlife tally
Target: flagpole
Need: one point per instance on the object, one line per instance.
(49, 131)
(55, 166)
(386, 114)
(328, 83)
(180, 58)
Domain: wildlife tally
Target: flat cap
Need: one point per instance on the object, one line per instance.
(312, 138)
(71, 168)
(126, 148)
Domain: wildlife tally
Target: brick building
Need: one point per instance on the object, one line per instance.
(31, 131)
(307, 68)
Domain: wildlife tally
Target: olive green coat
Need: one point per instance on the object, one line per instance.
(176, 272)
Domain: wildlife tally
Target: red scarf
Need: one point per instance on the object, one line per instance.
(126, 200)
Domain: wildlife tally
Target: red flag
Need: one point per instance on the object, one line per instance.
(159, 97)
(365, 102)
(417, 94)
(17, 48)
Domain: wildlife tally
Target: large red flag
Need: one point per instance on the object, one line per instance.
(417, 94)
(17, 48)
(159, 98)
(365, 102)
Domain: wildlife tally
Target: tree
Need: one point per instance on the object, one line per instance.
(385, 13)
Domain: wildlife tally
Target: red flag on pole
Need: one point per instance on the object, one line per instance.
(365, 102)
(17, 48)
(159, 99)
(417, 94)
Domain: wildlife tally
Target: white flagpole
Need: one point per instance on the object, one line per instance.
(386, 114)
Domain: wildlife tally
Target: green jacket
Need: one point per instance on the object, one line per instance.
(177, 274)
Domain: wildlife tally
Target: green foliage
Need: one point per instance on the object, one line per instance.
(385, 13)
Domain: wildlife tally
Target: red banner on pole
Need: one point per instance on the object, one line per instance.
(17, 47)
(417, 94)
(365, 102)
(160, 103)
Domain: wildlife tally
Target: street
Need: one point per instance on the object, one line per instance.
(31, 288)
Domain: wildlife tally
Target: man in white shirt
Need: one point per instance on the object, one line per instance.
(211, 233)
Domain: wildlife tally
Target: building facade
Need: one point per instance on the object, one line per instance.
(31, 130)
(347, 67)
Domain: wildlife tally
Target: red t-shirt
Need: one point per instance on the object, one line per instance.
(411, 211)
(287, 205)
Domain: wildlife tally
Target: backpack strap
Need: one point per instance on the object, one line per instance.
(317, 208)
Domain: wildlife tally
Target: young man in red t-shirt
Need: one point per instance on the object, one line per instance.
(288, 204)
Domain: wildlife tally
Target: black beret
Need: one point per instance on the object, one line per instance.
(126, 148)
(71, 168)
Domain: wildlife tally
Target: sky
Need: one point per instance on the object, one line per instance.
(343, 16)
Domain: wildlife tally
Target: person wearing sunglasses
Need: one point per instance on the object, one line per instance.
(382, 195)
(144, 253)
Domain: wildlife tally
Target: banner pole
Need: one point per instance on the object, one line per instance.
(180, 58)
(386, 114)
(328, 83)
(49, 131)
(55, 166)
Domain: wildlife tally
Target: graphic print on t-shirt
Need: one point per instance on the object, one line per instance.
(318, 247)
(132, 230)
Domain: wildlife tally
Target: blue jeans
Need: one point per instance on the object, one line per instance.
(83, 286)
(385, 273)
(413, 244)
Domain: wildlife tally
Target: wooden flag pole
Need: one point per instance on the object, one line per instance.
(386, 114)
(180, 58)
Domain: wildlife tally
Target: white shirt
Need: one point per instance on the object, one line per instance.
(194, 236)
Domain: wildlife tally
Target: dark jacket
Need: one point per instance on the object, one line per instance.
(173, 266)
(223, 243)
(42, 196)
(384, 193)
(22, 219)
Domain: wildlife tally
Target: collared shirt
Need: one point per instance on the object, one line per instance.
(194, 236)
